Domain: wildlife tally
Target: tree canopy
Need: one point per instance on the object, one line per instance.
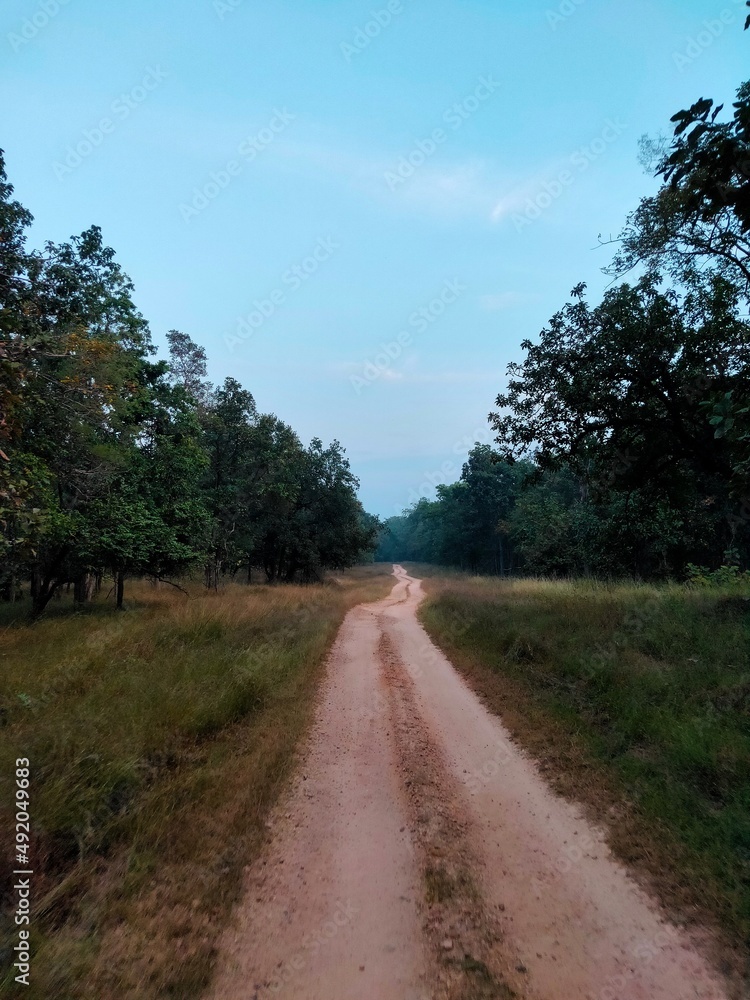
(112, 461)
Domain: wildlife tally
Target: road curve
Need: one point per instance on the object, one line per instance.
(419, 855)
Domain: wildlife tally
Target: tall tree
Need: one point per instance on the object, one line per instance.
(188, 366)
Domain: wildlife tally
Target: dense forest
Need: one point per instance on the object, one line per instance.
(623, 436)
(116, 464)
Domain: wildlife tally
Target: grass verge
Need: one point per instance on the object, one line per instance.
(635, 701)
(159, 738)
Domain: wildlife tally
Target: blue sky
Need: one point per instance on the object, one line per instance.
(359, 209)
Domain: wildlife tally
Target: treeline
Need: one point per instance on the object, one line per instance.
(623, 436)
(115, 463)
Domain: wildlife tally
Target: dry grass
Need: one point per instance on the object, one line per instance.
(635, 701)
(158, 739)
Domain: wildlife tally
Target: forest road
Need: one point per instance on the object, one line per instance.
(420, 855)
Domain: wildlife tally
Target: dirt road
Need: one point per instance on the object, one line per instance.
(419, 855)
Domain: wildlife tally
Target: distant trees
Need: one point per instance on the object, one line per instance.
(468, 526)
(112, 462)
(275, 504)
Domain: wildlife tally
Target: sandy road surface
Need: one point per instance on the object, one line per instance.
(420, 856)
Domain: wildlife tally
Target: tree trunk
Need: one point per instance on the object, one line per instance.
(9, 591)
(211, 574)
(291, 572)
(120, 588)
(83, 588)
(249, 570)
(44, 592)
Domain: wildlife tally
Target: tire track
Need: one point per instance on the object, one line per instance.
(462, 932)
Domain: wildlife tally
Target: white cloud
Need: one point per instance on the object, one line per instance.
(504, 300)
(457, 188)
(447, 378)
(462, 188)
(517, 198)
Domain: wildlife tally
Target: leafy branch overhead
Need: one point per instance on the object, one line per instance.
(699, 220)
